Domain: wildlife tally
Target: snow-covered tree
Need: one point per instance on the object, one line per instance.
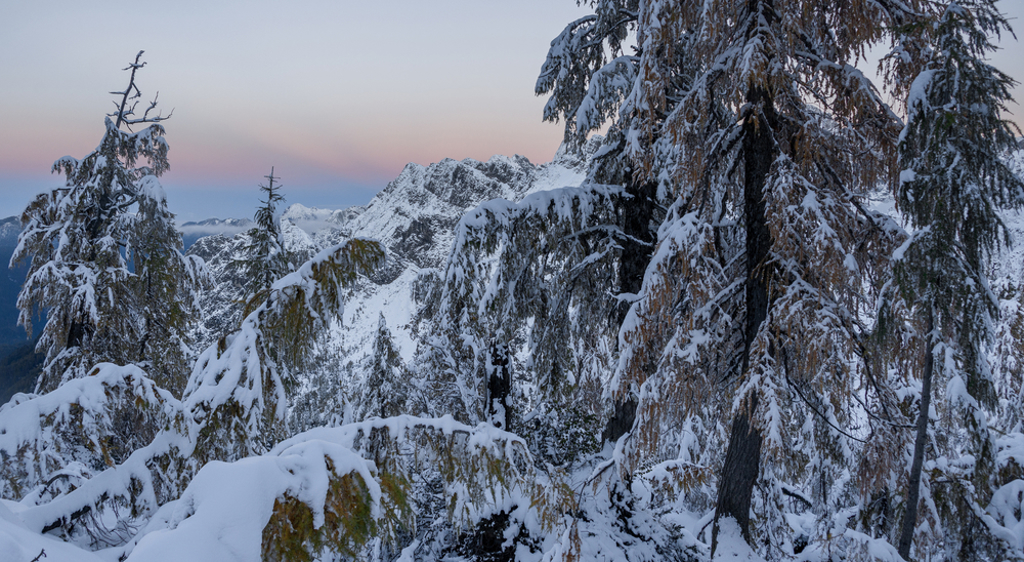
(166, 286)
(384, 391)
(751, 303)
(533, 273)
(751, 123)
(238, 388)
(105, 259)
(953, 182)
(591, 81)
(266, 259)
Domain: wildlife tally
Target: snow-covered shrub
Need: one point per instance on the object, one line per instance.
(236, 397)
(49, 444)
(338, 491)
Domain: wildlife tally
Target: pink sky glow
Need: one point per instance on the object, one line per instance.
(338, 95)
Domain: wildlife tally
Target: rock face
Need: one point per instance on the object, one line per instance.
(416, 213)
(414, 217)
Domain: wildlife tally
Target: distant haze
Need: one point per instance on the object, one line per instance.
(337, 95)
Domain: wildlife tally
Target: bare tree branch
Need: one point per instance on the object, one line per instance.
(124, 111)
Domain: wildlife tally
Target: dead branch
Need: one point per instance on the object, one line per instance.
(124, 110)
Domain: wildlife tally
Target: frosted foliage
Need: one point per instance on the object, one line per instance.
(91, 459)
(103, 244)
(51, 443)
(585, 83)
(237, 391)
(954, 181)
(511, 275)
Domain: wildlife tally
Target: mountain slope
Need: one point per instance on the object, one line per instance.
(414, 217)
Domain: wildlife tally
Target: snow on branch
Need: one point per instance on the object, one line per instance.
(330, 490)
(238, 384)
(53, 441)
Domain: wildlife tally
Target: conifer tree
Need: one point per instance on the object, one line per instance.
(743, 118)
(77, 239)
(266, 259)
(165, 285)
(538, 272)
(751, 302)
(239, 386)
(953, 182)
(384, 390)
(590, 80)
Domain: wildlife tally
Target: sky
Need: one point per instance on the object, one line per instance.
(337, 95)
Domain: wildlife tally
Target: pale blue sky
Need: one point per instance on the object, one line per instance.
(337, 95)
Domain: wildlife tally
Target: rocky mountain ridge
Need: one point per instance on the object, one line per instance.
(414, 216)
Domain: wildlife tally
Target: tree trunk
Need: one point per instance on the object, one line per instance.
(736, 484)
(743, 457)
(637, 214)
(622, 419)
(914, 493)
(499, 386)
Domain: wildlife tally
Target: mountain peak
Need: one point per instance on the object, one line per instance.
(315, 219)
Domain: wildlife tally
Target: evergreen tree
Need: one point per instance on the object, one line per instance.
(953, 182)
(744, 119)
(266, 259)
(238, 390)
(751, 304)
(534, 273)
(79, 240)
(384, 391)
(592, 83)
(165, 284)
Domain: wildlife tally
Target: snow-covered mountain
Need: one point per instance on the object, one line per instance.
(312, 219)
(192, 231)
(10, 227)
(414, 216)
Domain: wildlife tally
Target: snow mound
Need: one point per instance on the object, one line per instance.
(19, 544)
(731, 545)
